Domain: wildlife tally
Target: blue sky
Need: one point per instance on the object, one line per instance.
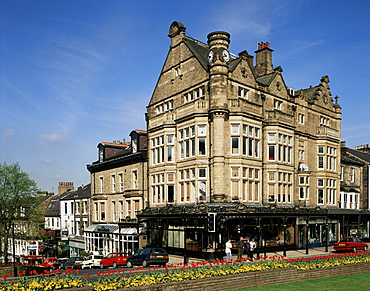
(76, 73)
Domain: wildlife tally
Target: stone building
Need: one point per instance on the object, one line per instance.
(118, 187)
(234, 151)
(354, 190)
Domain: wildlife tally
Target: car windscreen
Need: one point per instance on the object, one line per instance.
(158, 251)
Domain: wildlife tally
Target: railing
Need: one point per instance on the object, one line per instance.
(277, 115)
(329, 132)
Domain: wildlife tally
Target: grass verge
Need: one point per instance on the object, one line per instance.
(353, 282)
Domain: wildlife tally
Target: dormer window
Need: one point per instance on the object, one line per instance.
(101, 155)
(134, 145)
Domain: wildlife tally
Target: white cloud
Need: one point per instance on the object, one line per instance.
(9, 133)
(47, 161)
(57, 176)
(53, 137)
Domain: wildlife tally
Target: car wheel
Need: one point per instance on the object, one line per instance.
(129, 264)
(82, 267)
(145, 263)
(354, 249)
(101, 266)
(114, 265)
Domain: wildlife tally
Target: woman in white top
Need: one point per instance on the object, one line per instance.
(228, 250)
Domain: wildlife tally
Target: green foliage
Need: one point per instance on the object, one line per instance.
(17, 200)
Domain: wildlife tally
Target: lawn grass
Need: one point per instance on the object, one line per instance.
(355, 282)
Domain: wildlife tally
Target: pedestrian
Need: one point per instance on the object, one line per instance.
(228, 247)
(247, 248)
(252, 245)
(241, 246)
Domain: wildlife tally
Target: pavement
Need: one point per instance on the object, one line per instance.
(290, 254)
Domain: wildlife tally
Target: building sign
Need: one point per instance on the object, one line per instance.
(103, 229)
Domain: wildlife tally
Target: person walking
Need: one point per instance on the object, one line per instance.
(241, 246)
(252, 245)
(228, 247)
(248, 248)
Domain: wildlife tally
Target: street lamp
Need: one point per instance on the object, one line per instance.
(327, 235)
(14, 265)
(307, 235)
(284, 250)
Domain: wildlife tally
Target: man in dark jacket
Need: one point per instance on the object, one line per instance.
(240, 245)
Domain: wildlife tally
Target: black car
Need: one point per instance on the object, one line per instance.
(148, 256)
(59, 264)
(73, 263)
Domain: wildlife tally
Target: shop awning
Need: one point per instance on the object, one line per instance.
(127, 231)
(102, 228)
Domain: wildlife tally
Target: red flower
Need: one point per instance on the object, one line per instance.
(98, 274)
(78, 272)
(86, 275)
(4, 276)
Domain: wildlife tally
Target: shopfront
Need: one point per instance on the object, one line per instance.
(108, 238)
(186, 229)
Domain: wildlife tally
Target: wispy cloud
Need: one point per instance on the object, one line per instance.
(9, 133)
(53, 137)
(47, 161)
(255, 17)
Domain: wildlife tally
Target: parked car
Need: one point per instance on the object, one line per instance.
(148, 256)
(59, 264)
(114, 260)
(91, 261)
(73, 263)
(350, 244)
(49, 262)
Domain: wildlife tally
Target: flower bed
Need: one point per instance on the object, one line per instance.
(204, 275)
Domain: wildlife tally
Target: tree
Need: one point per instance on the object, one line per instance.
(17, 200)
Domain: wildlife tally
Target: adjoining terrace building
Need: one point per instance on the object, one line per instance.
(118, 188)
(233, 150)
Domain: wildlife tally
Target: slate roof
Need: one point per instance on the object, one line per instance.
(199, 49)
(80, 193)
(54, 205)
(361, 155)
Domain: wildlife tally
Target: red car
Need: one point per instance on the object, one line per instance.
(350, 244)
(114, 260)
(49, 262)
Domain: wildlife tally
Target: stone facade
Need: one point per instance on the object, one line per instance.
(118, 188)
(221, 129)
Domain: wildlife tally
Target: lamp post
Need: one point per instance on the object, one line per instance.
(307, 235)
(14, 265)
(326, 235)
(284, 249)
(259, 241)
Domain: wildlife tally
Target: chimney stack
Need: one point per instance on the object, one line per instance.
(264, 59)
